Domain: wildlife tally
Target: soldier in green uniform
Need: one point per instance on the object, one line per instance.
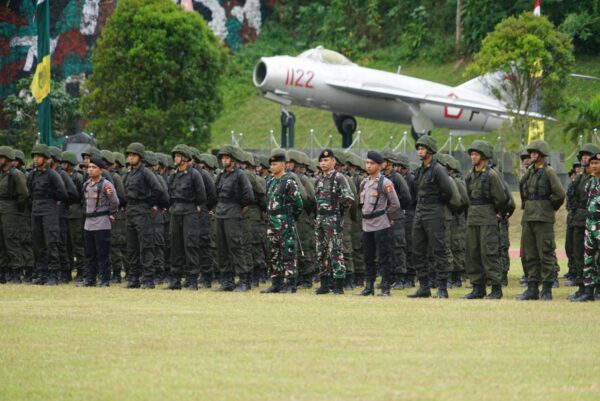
(355, 166)
(403, 167)
(429, 229)
(188, 197)
(25, 226)
(234, 192)
(542, 195)
(398, 229)
(75, 217)
(579, 204)
(486, 195)
(14, 197)
(284, 205)
(47, 191)
(296, 164)
(251, 224)
(145, 196)
(333, 199)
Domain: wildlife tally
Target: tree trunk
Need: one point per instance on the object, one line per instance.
(458, 37)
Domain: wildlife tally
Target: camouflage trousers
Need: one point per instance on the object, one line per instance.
(329, 246)
(306, 263)
(591, 270)
(281, 243)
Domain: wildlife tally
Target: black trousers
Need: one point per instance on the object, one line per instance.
(97, 254)
(230, 247)
(381, 244)
(45, 234)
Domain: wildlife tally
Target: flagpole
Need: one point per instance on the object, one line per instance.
(40, 85)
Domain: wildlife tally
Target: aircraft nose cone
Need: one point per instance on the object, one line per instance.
(260, 74)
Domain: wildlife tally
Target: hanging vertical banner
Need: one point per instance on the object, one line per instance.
(536, 127)
(40, 85)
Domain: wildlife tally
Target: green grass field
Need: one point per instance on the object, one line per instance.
(69, 343)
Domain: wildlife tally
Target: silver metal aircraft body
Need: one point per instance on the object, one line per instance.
(324, 79)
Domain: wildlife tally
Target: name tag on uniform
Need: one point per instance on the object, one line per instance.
(375, 193)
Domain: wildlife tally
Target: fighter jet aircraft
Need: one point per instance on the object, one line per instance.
(324, 79)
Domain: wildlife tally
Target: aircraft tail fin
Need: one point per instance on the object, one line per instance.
(491, 84)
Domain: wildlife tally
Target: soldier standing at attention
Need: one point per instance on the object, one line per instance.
(188, 197)
(47, 191)
(379, 204)
(429, 230)
(542, 195)
(14, 197)
(144, 197)
(580, 214)
(284, 205)
(25, 226)
(333, 198)
(75, 217)
(486, 196)
(235, 194)
(403, 165)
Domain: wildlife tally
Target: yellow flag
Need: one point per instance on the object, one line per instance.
(536, 130)
(40, 86)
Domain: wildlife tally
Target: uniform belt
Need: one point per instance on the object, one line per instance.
(276, 212)
(533, 197)
(373, 215)
(479, 202)
(328, 212)
(430, 201)
(138, 202)
(98, 214)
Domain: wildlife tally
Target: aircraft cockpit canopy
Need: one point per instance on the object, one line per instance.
(326, 56)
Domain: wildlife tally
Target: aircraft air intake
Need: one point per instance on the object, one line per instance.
(260, 73)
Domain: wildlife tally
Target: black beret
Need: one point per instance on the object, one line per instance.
(326, 153)
(375, 156)
(595, 157)
(97, 161)
(277, 158)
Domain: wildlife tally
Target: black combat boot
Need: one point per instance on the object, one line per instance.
(324, 288)
(424, 290)
(52, 277)
(597, 294)
(227, 284)
(40, 277)
(586, 296)
(504, 280)
(385, 291)
(399, 284)
(148, 284)
(116, 276)
(349, 282)
(478, 292)
(496, 292)
(305, 281)
(409, 282)
(134, 282)
(555, 284)
(27, 274)
(523, 281)
(546, 294)
(442, 292)
(577, 293)
(174, 283)
(15, 276)
(243, 284)
(531, 294)
(359, 280)
(338, 286)
(276, 283)
(255, 279)
(191, 282)
(206, 280)
(369, 289)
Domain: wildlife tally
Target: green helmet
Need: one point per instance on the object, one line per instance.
(70, 157)
(263, 161)
(453, 163)
(588, 148)
(107, 156)
(91, 151)
(183, 150)
(55, 153)
(442, 158)
(481, 147)
(428, 142)
(120, 158)
(388, 155)
(150, 158)
(231, 151)
(539, 146)
(7, 152)
(403, 160)
(354, 160)
(40, 149)
(209, 160)
(163, 159)
(136, 148)
(249, 158)
(20, 156)
(297, 156)
(524, 154)
(340, 156)
(194, 154)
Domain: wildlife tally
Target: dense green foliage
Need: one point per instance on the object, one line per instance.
(21, 111)
(156, 76)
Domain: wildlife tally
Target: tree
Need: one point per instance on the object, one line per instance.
(155, 80)
(518, 47)
(21, 111)
(586, 120)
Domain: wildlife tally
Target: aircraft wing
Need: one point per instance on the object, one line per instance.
(386, 92)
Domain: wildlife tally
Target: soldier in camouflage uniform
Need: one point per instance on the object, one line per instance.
(14, 197)
(333, 199)
(580, 206)
(284, 205)
(75, 217)
(25, 225)
(591, 269)
(296, 164)
(542, 195)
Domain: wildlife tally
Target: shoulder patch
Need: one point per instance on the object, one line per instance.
(389, 188)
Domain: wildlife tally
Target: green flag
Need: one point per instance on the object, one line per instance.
(40, 86)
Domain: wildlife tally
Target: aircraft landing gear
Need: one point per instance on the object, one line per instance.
(288, 120)
(346, 126)
(416, 135)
